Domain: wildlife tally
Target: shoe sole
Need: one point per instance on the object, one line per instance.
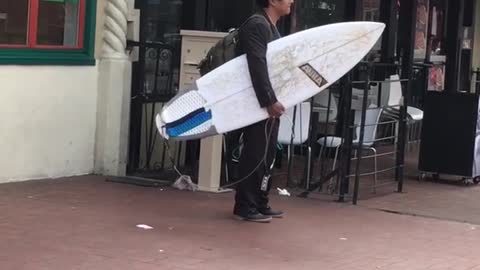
(263, 220)
(276, 216)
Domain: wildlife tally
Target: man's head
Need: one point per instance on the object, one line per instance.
(280, 7)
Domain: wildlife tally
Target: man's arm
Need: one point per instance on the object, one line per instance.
(254, 38)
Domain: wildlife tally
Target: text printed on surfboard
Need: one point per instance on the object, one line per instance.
(313, 75)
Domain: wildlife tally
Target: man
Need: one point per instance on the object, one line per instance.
(251, 200)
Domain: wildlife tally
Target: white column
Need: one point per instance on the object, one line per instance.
(210, 166)
(113, 105)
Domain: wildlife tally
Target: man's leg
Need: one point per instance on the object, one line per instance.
(262, 198)
(232, 140)
(246, 198)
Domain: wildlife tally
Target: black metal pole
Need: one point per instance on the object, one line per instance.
(325, 134)
(361, 136)
(151, 134)
(346, 148)
(292, 149)
(388, 15)
(407, 28)
(453, 44)
(137, 89)
(312, 131)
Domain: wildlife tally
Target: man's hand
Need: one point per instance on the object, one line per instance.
(275, 110)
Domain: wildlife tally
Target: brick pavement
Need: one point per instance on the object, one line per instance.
(87, 223)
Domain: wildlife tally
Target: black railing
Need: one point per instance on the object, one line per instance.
(156, 77)
(154, 82)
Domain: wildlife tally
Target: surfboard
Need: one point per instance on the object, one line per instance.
(300, 65)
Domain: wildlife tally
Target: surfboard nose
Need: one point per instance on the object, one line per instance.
(375, 29)
(369, 32)
(374, 25)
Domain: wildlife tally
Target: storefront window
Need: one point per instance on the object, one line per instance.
(437, 27)
(435, 48)
(371, 10)
(420, 49)
(47, 32)
(58, 22)
(42, 23)
(13, 22)
(164, 18)
(312, 13)
(223, 15)
(162, 63)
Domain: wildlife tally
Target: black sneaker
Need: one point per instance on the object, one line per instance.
(253, 217)
(270, 212)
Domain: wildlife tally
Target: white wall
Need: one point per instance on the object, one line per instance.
(48, 121)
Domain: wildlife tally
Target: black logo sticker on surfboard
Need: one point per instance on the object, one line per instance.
(313, 75)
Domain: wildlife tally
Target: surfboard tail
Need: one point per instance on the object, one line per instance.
(194, 126)
(185, 117)
(161, 127)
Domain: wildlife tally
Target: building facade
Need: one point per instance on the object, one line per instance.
(79, 77)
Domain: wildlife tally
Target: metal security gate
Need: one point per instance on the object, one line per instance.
(367, 145)
(154, 82)
(155, 78)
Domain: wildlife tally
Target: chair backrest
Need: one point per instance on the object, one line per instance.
(321, 99)
(357, 98)
(394, 91)
(302, 124)
(372, 119)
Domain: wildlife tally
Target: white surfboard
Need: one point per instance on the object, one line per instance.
(299, 65)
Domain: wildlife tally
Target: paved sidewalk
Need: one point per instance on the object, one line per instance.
(436, 200)
(87, 223)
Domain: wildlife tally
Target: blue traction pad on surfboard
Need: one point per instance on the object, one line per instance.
(189, 124)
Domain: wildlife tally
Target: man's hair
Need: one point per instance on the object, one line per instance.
(262, 3)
